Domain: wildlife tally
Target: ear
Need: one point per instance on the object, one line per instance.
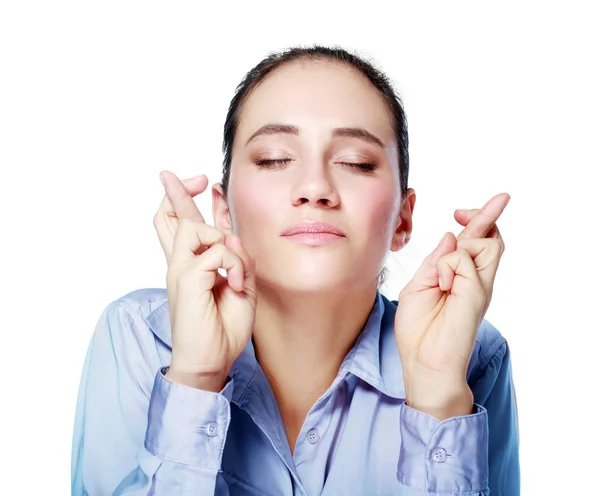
(404, 222)
(221, 212)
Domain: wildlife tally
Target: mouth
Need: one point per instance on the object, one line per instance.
(314, 233)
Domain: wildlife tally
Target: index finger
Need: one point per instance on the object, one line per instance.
(182, 202)
(480, 225)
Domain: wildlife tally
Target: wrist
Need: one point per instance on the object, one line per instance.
(441, 404)
(204, 381)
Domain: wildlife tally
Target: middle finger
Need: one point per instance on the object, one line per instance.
(484, 221)
(182, 202)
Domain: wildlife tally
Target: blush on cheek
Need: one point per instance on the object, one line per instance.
(380, 213)
(257, 206)
(380, 206)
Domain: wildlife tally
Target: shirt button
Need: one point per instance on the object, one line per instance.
(313, 436)
(439, 455)
(211, 429)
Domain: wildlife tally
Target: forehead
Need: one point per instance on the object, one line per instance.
(317, 96)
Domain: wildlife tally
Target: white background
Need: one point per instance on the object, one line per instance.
(97, 98)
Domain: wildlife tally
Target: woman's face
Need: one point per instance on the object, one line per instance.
(302, 135)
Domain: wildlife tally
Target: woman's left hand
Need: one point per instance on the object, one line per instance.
(441, 309)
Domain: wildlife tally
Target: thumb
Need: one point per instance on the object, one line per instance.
(427, 274)
(248, 278)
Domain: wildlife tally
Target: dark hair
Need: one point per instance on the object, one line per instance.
(317, 53)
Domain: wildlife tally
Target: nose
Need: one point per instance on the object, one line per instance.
(315, 186)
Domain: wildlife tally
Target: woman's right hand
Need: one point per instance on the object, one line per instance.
(212, 317)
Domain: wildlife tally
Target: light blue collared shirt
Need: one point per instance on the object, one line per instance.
(136, 433)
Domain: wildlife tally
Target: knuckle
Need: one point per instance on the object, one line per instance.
(206, 232)
(187, 223)
(464, 257)
(219, 235)
(218, 249)
(496, 245)
(213, 254)
(463, 253)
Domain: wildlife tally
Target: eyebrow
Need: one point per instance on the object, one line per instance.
(274, 129)
(340, 132)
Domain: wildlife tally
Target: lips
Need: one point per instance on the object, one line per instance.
(313, 228)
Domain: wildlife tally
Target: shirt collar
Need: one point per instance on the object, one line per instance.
(374, 357)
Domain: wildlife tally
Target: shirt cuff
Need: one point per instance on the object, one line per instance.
(444, 456)
(187, 425)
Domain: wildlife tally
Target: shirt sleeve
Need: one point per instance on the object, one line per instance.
(470, 455)
(137, 433)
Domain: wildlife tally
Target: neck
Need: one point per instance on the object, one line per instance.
(300, 342)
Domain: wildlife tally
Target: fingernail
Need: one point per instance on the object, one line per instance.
(442, 240)
(462, 210)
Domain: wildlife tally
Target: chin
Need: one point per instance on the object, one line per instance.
(317, 285)
(305, 282)
(293, 279)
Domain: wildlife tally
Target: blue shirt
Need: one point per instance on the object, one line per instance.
(136, 433)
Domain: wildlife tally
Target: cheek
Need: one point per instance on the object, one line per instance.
(256, 208)
(379, 211)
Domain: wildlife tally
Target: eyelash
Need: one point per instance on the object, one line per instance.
(365, 167)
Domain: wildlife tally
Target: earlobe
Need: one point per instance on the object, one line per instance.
(398, 242)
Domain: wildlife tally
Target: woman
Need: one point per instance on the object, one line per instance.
(294, 375)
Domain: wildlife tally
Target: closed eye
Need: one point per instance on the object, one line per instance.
(366, 166)
(267, 163)
(271, 162)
